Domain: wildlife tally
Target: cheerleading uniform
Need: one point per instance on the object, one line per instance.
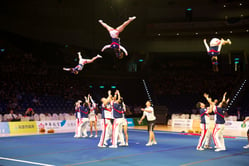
(213, 51)
(204, 125)
(219, 127)
(117, 124)
(114, 33)
(83, 120)
(77, 121)
(115, 43)
(105, 124)
(92, 115)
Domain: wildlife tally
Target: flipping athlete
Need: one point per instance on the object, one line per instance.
(214, 50)
(81, 64)
(114, 33)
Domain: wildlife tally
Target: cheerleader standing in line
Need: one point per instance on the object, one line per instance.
(92, 117)
(77, 114)
(106, 120)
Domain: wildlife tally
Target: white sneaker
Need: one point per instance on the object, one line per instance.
(154, 143)
(246, 147)
(96, 136)
(219, 149)
(101, 146)
(208, 147)
(122, 144)
(149, 144)
(126, 144)
(200, 149)
(113, 146)
(84, 136)
(132, 18)
(91, 136)
(99, 56)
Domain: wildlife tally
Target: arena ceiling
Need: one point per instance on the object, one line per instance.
(76, 22)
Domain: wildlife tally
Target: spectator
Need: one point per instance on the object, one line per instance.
(12, 116)
(36, 101)
(30, 113)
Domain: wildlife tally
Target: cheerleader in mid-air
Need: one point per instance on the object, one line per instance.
(81, 64)
(114, 33)
(214, 50)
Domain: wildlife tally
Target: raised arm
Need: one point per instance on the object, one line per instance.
(93, 103)
(118, 95)
(124, 50)
(209, 99)
(109, 96)
(246, 120)
(206, 45)
(86, 99)
(105, 47)
(124, 106)
(220, 45)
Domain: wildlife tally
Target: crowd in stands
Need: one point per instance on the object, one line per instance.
(29, 82)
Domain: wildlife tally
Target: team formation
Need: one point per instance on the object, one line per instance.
(113, 123)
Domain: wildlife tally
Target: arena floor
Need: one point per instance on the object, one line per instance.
(173, 148)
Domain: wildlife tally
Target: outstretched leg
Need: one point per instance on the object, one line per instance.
(66, 69)
(122, 27)
(106, 26)
(93, 59)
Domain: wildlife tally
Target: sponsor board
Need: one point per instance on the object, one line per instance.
(236, 125)
(182, 123)
(4, 128)
(22, 127)
(130, 122)
(62, 125)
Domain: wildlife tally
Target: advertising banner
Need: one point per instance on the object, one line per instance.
(4, 128)
(24, 127)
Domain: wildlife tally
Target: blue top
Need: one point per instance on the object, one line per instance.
(204, 115)
(214, 51)
(219, 115)
(79, 67)
(84, 111)
(118, 110)
(115, 43)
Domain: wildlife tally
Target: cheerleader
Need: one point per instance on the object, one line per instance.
(214, 50)
(92, 117)
(246, 146)
(83, 123)
(81, 64)
(124, 125)
(77, 114)
(114, 34)
(204, 125)
(148, 112)
(118, 119)
(106, 120)
(219, 112)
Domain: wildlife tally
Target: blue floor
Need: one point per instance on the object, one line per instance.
(172, 149)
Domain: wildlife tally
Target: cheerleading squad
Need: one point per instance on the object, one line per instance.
(113, 122)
